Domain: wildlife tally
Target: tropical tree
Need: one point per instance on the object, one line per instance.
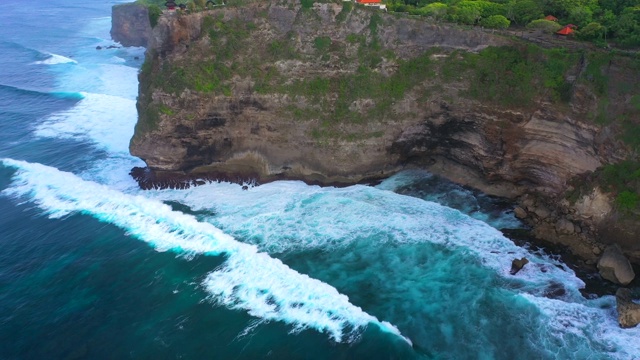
(618, 6)
(436, 10)
(627, 29)
(467, 12)
(580, 16)
(496, 22)
(592, 31)
(524, 11)
(544, 25)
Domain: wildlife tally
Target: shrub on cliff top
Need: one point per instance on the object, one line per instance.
(627, 200)
(623, 176)
(347, 6)
(495, 22)
(322, 43)
(154, 14)
(544, 25)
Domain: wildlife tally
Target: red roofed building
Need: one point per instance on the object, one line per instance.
(551, 18)
(376, 3)
(565, 31)
(171, 5)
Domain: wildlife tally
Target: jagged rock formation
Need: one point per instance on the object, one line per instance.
(628, 311)
(335, 95)
(130, 25)
(518, 264)
(615, 267)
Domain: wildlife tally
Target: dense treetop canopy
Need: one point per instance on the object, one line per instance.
(596, 20)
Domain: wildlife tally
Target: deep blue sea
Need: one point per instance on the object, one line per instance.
(91, 267)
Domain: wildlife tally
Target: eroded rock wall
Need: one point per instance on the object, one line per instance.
(130, 25)
(260, 118)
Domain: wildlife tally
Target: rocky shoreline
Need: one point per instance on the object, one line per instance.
(583, 265)
(246, 134)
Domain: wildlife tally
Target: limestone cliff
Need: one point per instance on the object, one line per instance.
(335, 94)
(130, 25)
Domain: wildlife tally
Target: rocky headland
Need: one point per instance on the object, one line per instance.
(130, 24)
(337, 94)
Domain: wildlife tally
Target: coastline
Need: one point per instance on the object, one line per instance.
(552, 223)
(585, 269)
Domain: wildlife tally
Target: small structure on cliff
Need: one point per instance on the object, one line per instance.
(373, 3)
(567, 30)
(551, 18)
(171, 5)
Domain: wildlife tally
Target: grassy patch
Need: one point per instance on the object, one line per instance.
(154, 14)
(513, 76)
(208, 76)
(595, 73)
(366, 84)
(164, 109)
(322, 43)
(623, 176)
(602, 115)
(631, 134)
(622, 180)
(347, 6)
(627, 200)
(374, 22)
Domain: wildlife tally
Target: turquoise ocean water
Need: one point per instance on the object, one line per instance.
(92, 267)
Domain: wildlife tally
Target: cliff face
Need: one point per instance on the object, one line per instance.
(255, 132)
(130, 25)
(338, 95)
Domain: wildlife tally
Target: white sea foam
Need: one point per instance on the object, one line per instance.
(249, 280)
(450, 194)
(287, 216)
(586, 330)
(55, 59)
(115, 79)
(105, 120)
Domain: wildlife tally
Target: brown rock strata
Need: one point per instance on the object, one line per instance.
(526, 153)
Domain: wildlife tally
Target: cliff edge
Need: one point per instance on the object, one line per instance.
(333, 94)
(130, 24)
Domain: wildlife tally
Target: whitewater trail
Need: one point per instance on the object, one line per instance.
(55, 59)
(282, 218)
(249, 279)
(98, 118)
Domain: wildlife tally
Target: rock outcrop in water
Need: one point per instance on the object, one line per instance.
(615, 267)
(518, 264)
(334, 95)
(628, 311)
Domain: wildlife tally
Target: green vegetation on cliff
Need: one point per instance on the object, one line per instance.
(597, 20)
(514, 76)
(334, 80)
(622, 180)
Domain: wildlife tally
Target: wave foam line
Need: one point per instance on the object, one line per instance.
(310, 217)
(37, 92)
(590, 327)
(249, 280)
(55, 59)
(105, 120)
